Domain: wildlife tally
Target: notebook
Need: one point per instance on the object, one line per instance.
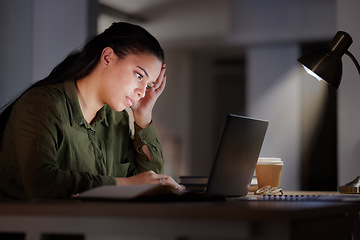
(231, 174)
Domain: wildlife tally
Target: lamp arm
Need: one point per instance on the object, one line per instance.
(354, 60)
(354, 186)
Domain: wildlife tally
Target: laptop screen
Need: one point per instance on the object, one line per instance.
(236, 157)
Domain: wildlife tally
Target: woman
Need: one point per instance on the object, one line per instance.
(70, 132)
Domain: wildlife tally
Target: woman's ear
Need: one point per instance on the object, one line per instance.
(107, 56)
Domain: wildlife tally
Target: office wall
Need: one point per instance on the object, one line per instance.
(348, 19)
(15, 48)
(274, 94)
(270, 35)
(58, 27)
(36, 36)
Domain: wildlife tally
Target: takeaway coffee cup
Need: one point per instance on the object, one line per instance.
(268, 172)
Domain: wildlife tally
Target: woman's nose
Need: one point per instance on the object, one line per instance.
(141, 90)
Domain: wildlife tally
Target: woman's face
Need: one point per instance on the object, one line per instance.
(125, 80)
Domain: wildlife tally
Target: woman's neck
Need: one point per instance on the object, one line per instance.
(88, 98)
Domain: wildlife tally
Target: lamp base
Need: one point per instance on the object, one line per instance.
(351, 187)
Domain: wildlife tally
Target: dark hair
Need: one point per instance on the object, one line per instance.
(123, 38)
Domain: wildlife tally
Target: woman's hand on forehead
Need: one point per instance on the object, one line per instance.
(142, 109)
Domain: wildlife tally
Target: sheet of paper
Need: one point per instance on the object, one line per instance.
(120, 192)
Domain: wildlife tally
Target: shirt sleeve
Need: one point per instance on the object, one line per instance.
(147, 136)
(35, 130)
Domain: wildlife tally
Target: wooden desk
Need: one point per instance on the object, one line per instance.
(231, 219)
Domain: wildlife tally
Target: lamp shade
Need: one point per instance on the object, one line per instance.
(326, 62)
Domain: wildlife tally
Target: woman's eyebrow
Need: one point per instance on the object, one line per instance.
(143, 71)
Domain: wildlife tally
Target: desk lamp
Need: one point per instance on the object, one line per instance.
(325, 64)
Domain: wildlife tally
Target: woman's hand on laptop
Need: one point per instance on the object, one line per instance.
(149, 177)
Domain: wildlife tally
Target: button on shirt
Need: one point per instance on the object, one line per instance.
(49, 150)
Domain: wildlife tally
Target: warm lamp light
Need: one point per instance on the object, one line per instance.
(325, 64)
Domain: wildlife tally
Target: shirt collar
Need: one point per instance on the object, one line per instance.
(75, 113)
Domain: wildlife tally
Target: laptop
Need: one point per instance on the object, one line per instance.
(236, 157)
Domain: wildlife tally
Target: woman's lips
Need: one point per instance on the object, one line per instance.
(130, 101)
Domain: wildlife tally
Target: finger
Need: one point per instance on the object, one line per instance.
(156, 178)
(160, 78)
(161, 88)
(159, 175)
(155, 93)
(150, 172)
(167, 180)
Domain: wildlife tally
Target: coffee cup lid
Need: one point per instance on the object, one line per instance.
(272, 161)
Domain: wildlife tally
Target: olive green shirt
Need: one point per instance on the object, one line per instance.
(49, 150)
